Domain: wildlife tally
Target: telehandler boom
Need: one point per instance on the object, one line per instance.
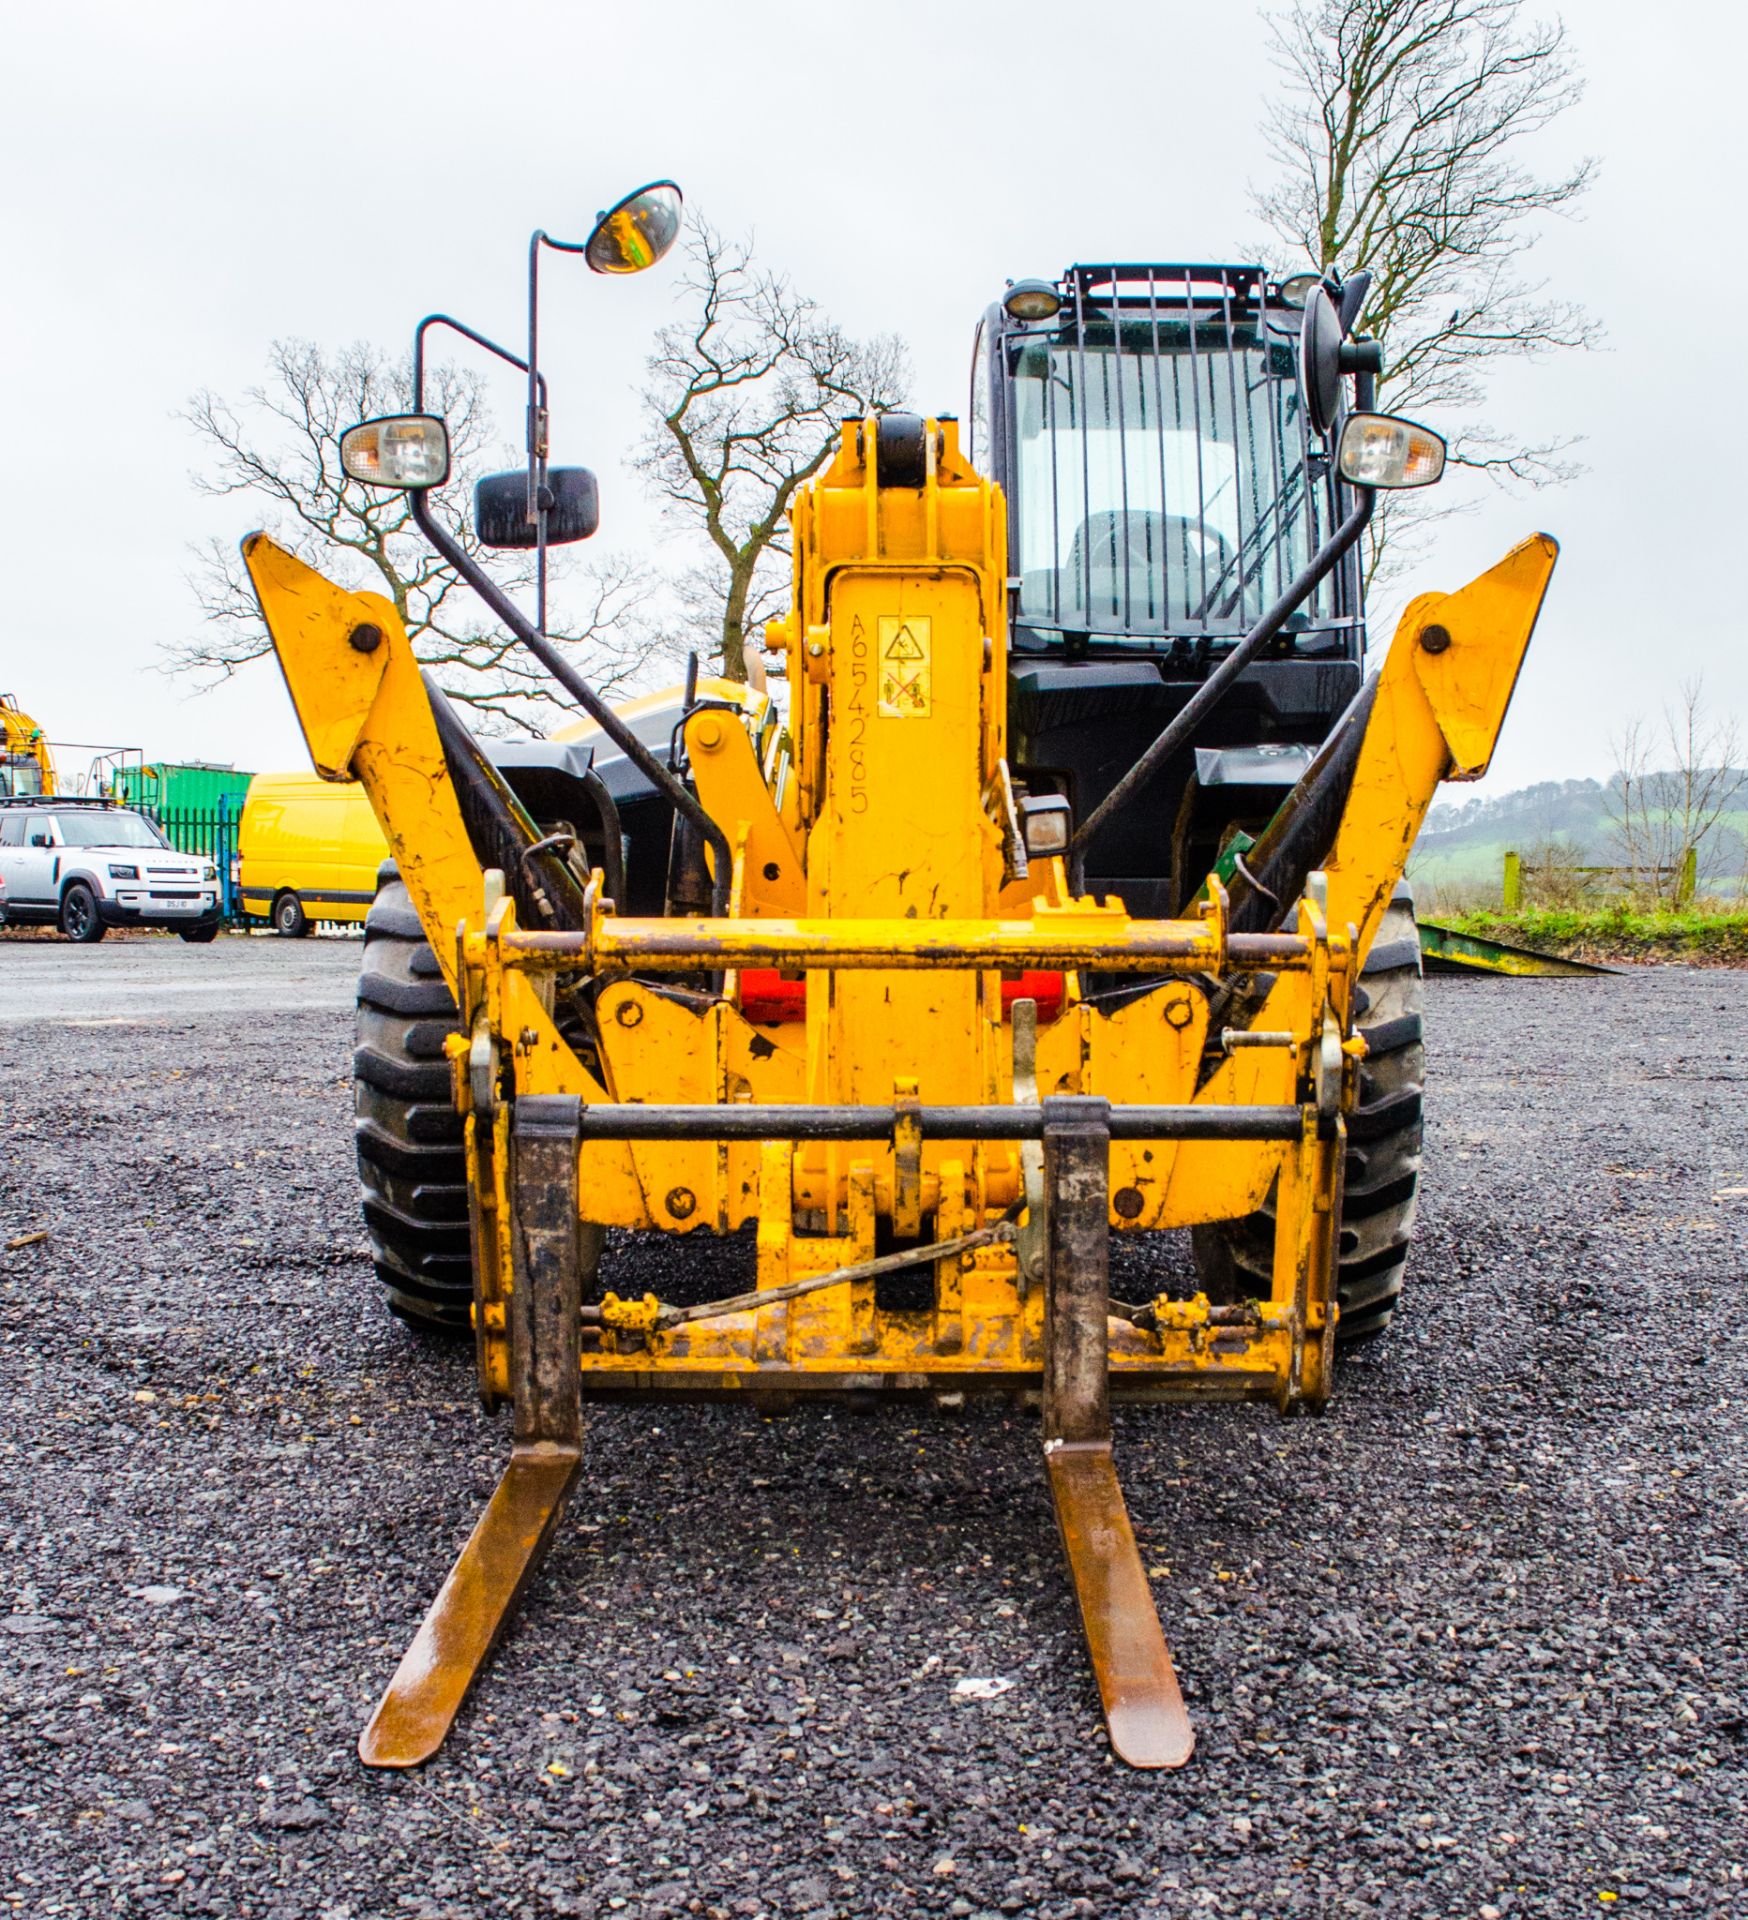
(878, 1019)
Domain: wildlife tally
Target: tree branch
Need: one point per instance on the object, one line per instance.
(279, 447)
(1395, 142)
(746, 394)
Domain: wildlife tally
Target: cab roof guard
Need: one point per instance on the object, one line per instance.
(60, 802)
(1137, 283)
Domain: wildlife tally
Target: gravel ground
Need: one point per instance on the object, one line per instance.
(143, 976)
(1473, 1643)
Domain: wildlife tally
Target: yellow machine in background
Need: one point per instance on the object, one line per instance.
(26, 764)
(983, 1070)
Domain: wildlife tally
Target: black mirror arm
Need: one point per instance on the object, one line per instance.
(537, 447)
(535, 428)
(467, 333)
(1214, 689)
(538, 432)
(536, 411)
(582, 693)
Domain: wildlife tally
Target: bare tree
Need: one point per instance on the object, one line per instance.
(1553, 869)
(746, 394)
(280, 448)
(1659, 814)
(1397, 140)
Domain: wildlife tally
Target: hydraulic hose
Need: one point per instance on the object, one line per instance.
(612, 835)
(1298, 840)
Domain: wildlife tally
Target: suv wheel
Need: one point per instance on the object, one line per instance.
(80, 919)
(290, 921)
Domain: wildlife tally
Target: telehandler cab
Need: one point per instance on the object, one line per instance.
(1061, 901)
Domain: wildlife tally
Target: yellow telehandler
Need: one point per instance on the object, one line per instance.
(1060, 899)
(27, 765)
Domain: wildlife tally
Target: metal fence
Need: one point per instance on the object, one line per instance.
(211, 833)
(1685, 874)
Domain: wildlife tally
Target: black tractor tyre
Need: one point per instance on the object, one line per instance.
(199, 936)
(80, 919)
(409, 1136)
(290, 921)
(1382, 1175)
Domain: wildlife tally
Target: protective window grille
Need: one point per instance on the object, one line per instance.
(1165, 477)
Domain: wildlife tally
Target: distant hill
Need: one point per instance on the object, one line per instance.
(1462, 848)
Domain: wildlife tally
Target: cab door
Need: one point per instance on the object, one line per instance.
(30, 846)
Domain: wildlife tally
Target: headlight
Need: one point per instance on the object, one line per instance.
(1032, 300)
(209, 873)
(124, 873)
(1044, 824)
(405, 450)
(1379, 450)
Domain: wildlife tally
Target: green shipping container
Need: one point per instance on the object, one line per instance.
(168, 787)
(197, 807)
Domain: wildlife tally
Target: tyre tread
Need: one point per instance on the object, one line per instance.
(412, 1172)
(1382, 1176)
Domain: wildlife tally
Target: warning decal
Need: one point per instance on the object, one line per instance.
(906, 663)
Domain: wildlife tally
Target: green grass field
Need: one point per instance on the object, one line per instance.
(1704, 935)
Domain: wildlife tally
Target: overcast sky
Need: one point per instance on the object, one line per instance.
(185, 182)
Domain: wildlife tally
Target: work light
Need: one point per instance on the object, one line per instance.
(1045, 824)
(1379, 450)
(1029, 300)
(405, 450)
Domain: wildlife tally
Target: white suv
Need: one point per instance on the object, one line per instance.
(87, 866)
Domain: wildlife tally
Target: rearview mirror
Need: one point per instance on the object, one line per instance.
(405, 450)
(638, 231)
(1320, 360)
(500, 508)
(1379, 450)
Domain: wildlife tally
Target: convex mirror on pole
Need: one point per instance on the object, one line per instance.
(637, 232)
(634, 233)
(539, 506)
